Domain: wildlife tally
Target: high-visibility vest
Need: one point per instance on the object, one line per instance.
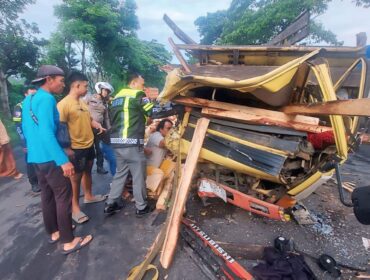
(128, 112)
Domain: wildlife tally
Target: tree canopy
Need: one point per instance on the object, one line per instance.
(254, 22)
(103, 34)
(19, 49)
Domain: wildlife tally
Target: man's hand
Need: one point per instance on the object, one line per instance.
(68, 169)
(96, 125)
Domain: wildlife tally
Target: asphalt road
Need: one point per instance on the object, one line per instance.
(121, 241)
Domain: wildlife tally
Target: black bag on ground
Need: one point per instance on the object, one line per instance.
(282, 266)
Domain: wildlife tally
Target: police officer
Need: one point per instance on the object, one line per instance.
(98, 109)
(17, 118)
(128, 113)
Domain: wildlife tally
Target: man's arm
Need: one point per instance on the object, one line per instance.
(145, 104)
(98, 126)
(46, 123)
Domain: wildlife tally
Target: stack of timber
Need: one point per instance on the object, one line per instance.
(159, 182)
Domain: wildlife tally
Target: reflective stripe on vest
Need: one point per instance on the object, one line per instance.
(126, 117)
(129, 141)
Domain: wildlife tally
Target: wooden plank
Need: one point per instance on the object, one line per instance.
(138, 272)
(363, 276)
(178, 32)
(172, 232)
(179, 56)
(300, 22)
(166, 193)
(202, 103)
(154, 179)
(347, 188)
(254, 119)
(299, 35)
(351, 107)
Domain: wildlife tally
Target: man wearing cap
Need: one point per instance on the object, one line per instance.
(40, 123)
(17, 119)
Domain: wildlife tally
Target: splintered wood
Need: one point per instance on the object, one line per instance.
(204, 103)
(351, 107)
(249, 118)
(251, 115)
(173, 226)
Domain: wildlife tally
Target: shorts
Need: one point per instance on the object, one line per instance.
(82, 157)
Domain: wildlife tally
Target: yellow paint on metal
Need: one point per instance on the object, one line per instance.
(305, 184)
(321, 71)
(244, 142)
(308, 182)
(272, 81)
(361, 90)
(277, 84)
(229, 163)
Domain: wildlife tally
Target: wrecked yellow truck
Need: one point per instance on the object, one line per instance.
(254, 154)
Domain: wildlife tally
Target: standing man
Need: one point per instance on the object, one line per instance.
(155, 148)
(98, 107)
(75, 113)
(40, 123)
(17, 119)
(128, 113)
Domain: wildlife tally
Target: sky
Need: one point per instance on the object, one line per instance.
(342, 17)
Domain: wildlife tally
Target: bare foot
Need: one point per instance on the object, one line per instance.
(82, 240)
(55, 236)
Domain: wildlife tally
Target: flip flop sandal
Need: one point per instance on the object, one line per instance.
(98, 198)
(18, 176)
(80, 217)
(78, 246)
(51, 241)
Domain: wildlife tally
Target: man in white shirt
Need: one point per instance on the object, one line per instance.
(155, 148)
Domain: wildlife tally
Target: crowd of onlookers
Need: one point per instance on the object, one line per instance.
(61, 141)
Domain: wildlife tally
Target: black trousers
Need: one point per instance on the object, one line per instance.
(98, 152)
(56, 200)
(31, 173)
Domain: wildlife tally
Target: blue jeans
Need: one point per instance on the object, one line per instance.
(108, 153)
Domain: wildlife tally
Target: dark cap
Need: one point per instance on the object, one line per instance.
(47, 70)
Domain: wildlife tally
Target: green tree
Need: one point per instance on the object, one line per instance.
(106, 31)
(255, 22)
(18, 47)
(59, 51)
